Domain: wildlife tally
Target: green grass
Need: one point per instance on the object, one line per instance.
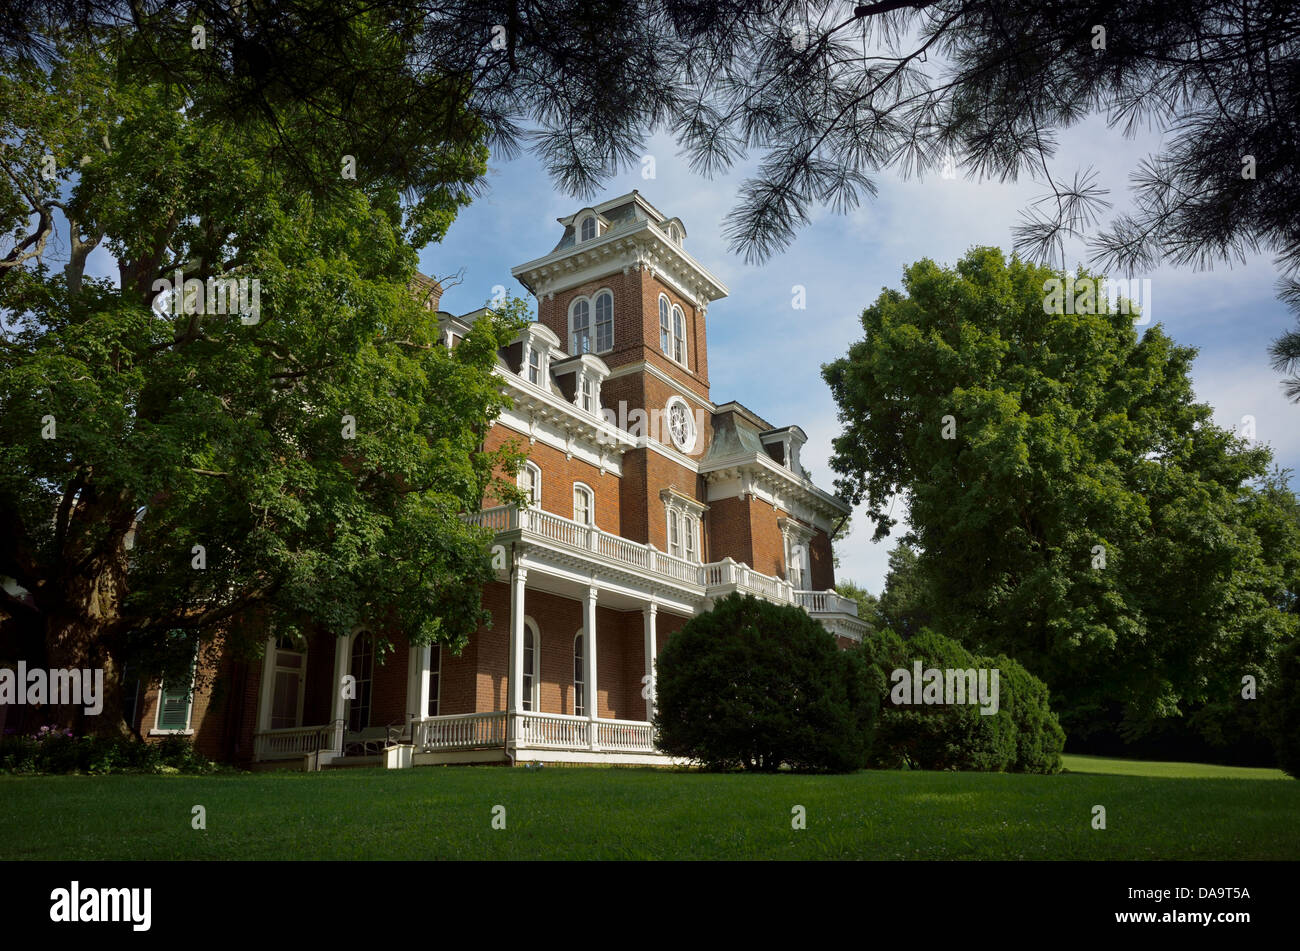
(1132, 767)
(555, 813)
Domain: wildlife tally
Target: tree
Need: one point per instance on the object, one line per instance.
(174, 468)
(904, 604)
(1072, 504)
(757, 685)
(830, 94)
(868, 603)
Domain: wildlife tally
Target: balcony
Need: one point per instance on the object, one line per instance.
(703, 581)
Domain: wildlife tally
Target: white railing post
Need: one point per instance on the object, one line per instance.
(649, 613)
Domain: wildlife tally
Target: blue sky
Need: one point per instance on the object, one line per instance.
(768, 356)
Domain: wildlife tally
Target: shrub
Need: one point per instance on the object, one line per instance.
(51, 750)
(757, 685)
(1024, 734)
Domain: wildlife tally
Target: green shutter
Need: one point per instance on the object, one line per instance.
(175, 712)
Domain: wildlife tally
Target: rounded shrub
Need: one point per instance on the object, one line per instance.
(1023, 735)
(758, 686)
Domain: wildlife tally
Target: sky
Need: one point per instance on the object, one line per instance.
(768, 355)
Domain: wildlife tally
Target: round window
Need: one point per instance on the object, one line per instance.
(681, 427)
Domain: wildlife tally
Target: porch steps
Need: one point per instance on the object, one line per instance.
(354, 762)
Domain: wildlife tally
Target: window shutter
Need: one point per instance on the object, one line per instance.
(175, 712)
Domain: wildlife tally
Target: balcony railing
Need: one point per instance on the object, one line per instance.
(826, 602)
(726, 574)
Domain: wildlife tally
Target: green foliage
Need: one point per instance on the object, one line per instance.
(204, 428)
(757, 685)
(1071, 432)
(1022, 736)
(57, 751)
(868, 603)
(1285, 708)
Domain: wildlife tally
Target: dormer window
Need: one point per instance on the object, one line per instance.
(588, 229)
(587, 395)
(675, 233)
(534, 366)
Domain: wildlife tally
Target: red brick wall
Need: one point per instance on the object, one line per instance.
(558, 477)
(822, 562)
(620, 654)
(636, 325)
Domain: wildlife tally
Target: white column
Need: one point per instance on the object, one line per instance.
(515, 682)
(266, 690)
(649, 612)
(338, 708)
(417, 682)
(589, 661)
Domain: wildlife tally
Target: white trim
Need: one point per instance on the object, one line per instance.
(574, 659)
(593, 333)
(692, 443)
(535, 497)
(535, 693)
(591, 503)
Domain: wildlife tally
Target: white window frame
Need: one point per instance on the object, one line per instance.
(574, 348)
(602, 294)
(582, 489)
(665, 326)
(679, 336)
(302, 680)
(587, 393)
(532, 695)
(592, 331)
(189, 708)
(685, 520)
(582, 227)
(531, 367)
(535, 497)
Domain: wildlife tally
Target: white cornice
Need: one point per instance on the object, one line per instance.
(641, 246)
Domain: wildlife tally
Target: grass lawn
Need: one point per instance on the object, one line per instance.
(1154, 811)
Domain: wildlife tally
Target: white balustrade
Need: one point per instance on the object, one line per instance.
(465, 731)
(290, 742)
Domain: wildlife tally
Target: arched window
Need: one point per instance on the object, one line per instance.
(530, 481)
(588, 228)
(580, 326)
(688, 538)
(679, 336)
(665, 330)
(530, 667)
(363, 669)
(604, 321)
(579, 684)
(584, 504)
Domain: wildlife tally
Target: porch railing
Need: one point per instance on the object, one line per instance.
(466, 731)
(553, 730)
(532, 731)
(291, 742)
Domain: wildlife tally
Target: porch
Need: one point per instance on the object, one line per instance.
(497, 736)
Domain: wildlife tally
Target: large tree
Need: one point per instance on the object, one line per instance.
(171, 465)
(1072, 503)
(829, 94)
